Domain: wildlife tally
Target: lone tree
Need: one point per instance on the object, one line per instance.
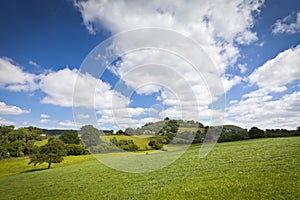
(52, 152)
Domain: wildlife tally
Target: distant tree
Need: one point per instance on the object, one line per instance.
(4, 130)
(32, 133)
(120, 132)
(114, 141)
(70, 137)
(4, 153)
(129, 131)
(52, 152)
(17, 135)
(156, 143)
(16, 148)
(75, 149)
(90, 136)
(172, 126)
(255, 132)
(4, 141)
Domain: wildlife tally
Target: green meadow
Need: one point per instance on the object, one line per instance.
(142, 141)
(252, 169)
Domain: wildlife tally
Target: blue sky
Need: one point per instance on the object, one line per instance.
(253, 45)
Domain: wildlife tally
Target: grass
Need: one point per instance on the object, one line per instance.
(141, 141)
(41, 143)
(253, 169)
(15, 166)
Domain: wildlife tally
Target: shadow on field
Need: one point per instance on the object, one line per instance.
(34, 170)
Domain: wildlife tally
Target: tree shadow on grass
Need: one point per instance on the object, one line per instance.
(34, 170)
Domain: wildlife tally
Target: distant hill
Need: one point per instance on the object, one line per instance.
(53, 132)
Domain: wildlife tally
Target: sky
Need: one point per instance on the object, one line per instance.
(248, 72)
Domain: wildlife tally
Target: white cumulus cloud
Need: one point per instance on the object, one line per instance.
(277, 72)
(216, 26)
(11, 110)
(13, 78)
(265, 107)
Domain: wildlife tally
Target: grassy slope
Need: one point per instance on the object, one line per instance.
(254, 169)
(141, 141)
(41, 143)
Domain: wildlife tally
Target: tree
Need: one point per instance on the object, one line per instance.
(17, 135)
(70, 137)
(120, 132)
(114, 141)
(255, 132)
(156, 143)
(16, 148)
(32, 133)
(129, 131)
(4, 130)
(4, 153)
(52, 152)
(75, 149)
(90, 135)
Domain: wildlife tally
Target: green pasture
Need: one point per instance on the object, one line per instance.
(252, 169)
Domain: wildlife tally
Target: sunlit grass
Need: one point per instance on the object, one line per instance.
(253, 169)
(41, 143)
(141, 141)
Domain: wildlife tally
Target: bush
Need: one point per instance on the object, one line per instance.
(129, 147)
(126, 145)
(4, 153)
(104, 148)
(156, 143)
(75, 149)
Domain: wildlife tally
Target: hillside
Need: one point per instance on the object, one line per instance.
(268, 168)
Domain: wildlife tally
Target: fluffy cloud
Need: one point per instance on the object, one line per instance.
(264, 107)
(277, 72)
(216, 26)
(11, 110)
(89, 92)
(6, 122)
(287, 25)
(88, 96)
(266, 113)
(19, 81)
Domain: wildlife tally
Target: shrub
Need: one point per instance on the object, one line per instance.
(75, 149)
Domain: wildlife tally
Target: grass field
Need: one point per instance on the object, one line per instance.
(253, 169)
(141, 141)
(41, 143)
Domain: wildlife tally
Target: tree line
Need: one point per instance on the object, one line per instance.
(22, 142)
